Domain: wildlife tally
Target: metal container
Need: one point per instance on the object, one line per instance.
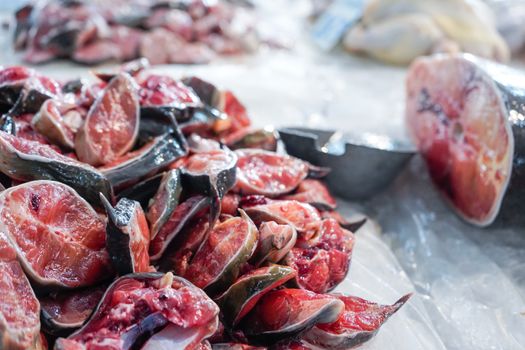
(360, 166)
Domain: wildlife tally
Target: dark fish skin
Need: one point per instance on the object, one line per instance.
(514, 99)
(156, 120)
(120, 232)
(23, 24)
(7, 124)
(214, 185)
(143, 191)
(207, 92)
(64, 41)
(163, 151)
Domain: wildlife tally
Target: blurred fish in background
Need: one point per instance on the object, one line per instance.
(398, 31)
(164, 31)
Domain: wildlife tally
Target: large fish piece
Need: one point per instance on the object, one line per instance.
(406, 28)
(467, 117)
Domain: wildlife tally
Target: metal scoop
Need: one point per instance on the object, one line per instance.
(361, 166)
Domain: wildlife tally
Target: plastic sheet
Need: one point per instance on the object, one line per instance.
(472, 280)
(375, 274)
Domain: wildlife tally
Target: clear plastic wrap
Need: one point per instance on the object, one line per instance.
(376, 274)
(472, 280)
